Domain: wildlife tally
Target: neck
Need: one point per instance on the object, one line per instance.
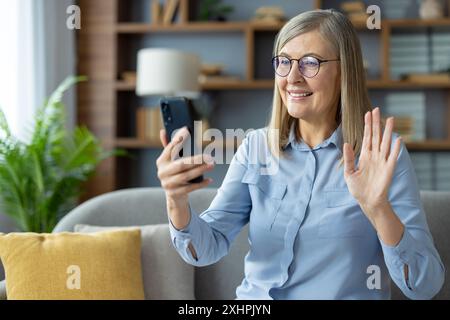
(314, 134)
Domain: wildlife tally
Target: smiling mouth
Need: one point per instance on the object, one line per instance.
(299, 95)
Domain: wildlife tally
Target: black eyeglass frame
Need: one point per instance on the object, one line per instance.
(298, 62)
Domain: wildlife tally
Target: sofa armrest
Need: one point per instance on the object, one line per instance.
(2, 290)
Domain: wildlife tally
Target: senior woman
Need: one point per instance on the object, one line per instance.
(331, 198)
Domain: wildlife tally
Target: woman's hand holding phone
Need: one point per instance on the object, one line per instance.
(176, 174)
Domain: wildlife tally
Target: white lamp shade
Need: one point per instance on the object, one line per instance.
(167, 72)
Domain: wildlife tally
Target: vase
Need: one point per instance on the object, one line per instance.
(431, 9)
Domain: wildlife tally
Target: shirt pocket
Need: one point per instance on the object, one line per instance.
(342, 216)
(266, 194)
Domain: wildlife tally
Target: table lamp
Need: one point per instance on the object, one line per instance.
(167, 72)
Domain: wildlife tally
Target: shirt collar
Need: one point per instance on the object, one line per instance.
(336, 139)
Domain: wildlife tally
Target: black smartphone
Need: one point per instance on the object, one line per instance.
(179, 112)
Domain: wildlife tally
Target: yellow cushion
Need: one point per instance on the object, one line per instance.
(103, 265)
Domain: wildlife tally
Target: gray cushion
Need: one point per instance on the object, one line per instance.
(436, 205)
(227, 274)
(6, 225)
(166, 276)
(2, 290)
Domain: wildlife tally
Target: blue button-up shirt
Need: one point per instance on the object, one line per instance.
(309, 238)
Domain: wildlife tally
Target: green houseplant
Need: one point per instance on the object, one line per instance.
(214, 10)
(40, 180)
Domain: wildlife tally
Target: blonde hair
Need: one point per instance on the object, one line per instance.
(354, 101)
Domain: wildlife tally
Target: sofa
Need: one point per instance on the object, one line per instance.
(143, 206)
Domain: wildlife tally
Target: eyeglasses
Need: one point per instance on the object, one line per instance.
(308, 66)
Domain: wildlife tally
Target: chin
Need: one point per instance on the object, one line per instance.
(296, 110)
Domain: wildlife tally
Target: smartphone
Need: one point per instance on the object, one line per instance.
(179, 112)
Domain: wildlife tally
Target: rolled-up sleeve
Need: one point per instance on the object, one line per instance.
(212, 232)
(416, 248)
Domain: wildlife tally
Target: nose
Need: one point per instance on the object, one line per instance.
(295, 75)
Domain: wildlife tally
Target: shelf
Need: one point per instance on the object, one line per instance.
(135, 143)
(265, 26)
(269, 84)
(408, 23)
(429, 145)
(235, 26)
(213, 85)
(232, 26)
(124, 28)
(242, 85)
(125, 86)
(405, 23)
(399, 84)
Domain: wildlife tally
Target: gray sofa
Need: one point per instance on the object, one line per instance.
(144, 206)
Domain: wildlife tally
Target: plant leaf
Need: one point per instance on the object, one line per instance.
(41, 180)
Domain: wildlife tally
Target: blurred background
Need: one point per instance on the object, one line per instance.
(407, 64)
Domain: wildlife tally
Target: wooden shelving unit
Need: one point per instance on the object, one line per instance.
(98, 56)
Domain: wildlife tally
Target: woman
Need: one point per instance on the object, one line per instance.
(320, 225)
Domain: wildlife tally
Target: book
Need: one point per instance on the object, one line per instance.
(169, 11)
(404, 126)
(129, 76)
(183, 11)
(411, 105)
(204, 79)
(353, 6)
(399, 9)
(155, 13)
(140, 123)
(156, 123)
(148, 123)
(423, 166)
(442, 168)
(358, 17)
(269, 14)
(428, 78)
